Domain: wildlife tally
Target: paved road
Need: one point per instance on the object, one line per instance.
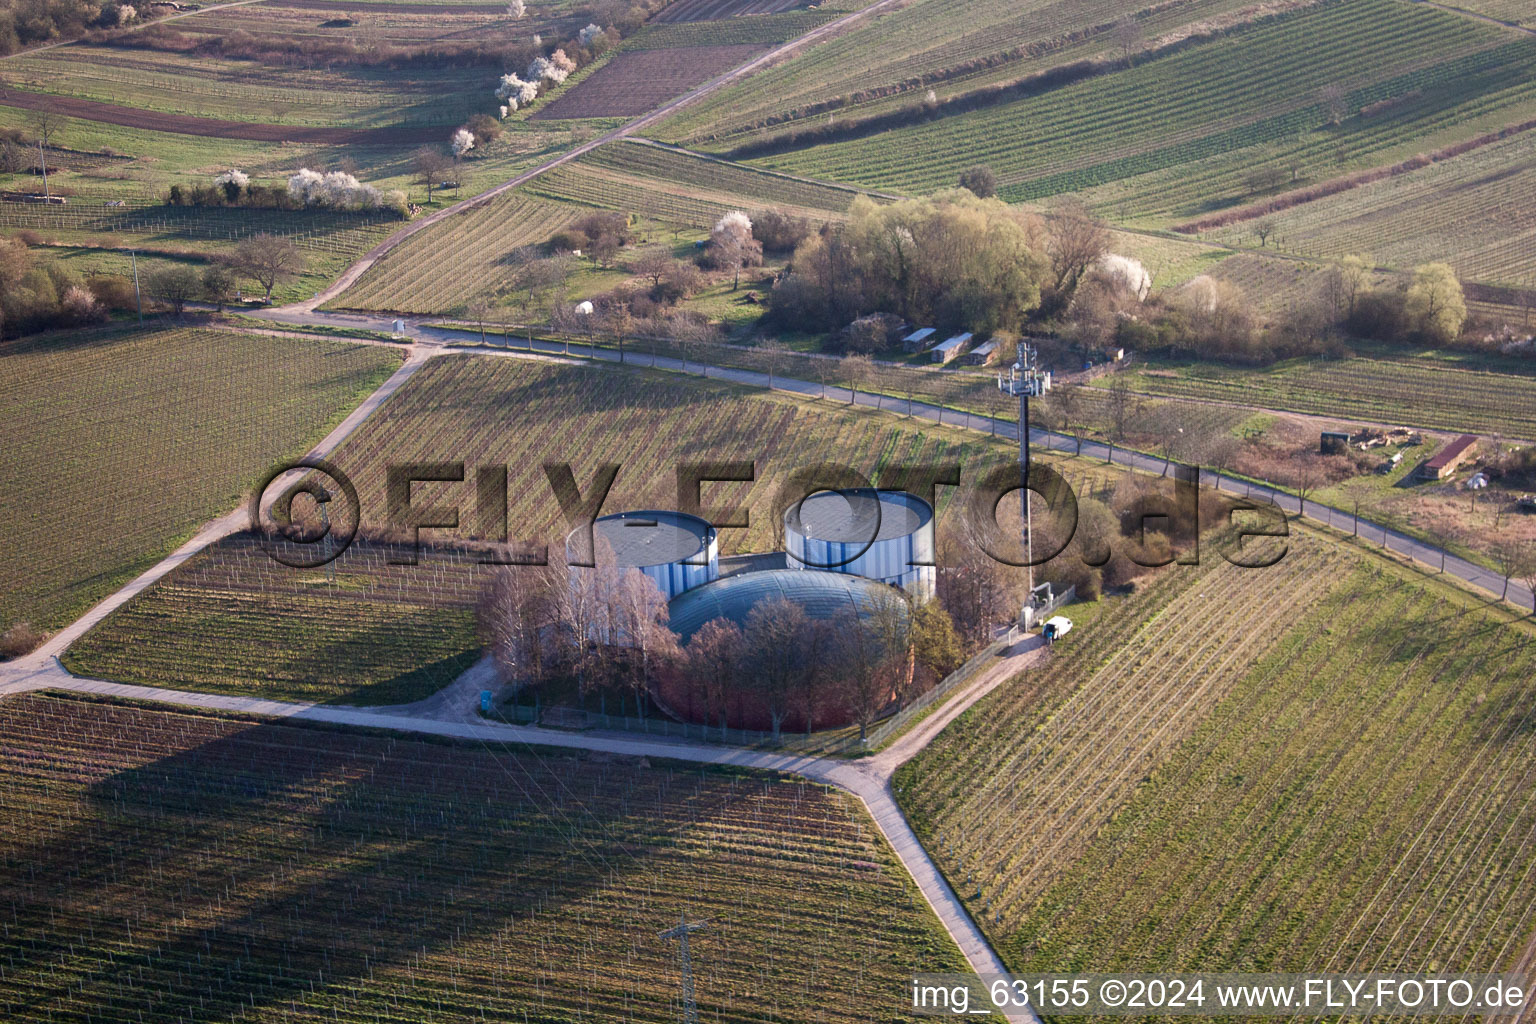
(446, 714)
(1424, 553)
(451, 714)
(372, 256)
(224, 526)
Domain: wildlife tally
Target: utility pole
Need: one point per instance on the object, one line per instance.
(680, 933)
(137, 301)
(1025, 380)
(324, 499)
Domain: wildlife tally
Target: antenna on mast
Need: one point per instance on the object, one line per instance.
(1026, 380)
(681, 933)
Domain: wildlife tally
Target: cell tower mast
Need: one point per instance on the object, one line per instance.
(1025, 380)
(680, 933)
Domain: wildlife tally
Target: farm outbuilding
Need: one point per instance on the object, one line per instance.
(881, 535)
(676, 550)
(949, 348)
(1334, 442)
(982, 354)
(1449, 458)
(915, 341)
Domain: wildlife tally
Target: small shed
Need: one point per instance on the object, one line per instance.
(1449, 458)
(1334, 442)
(982, 354)
(917, 340)
(949, 348)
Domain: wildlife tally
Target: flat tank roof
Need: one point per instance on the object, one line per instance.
(849, 516)
(652, 537)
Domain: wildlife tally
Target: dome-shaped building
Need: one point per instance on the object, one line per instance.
(677, 550)
(880, 535)
(823, 596)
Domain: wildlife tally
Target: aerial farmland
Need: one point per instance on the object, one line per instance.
(618, 511)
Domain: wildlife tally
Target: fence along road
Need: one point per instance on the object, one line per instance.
(1368, 531)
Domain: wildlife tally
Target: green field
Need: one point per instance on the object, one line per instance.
(239, 90)
(233, 621)
(181, 866)
(1515, 12)
(439, 269)
(1239, 94)
(924, 44)
(1469, 211)
(1403, 391)
(329, 239)
(1345, 787)
(120, 443)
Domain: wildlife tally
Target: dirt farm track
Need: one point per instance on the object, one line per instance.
(186, 124)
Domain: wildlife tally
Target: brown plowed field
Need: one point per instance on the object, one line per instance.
(717, 10)
(638, 82)
(185, 124)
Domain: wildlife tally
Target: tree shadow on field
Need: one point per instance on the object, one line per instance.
(279, 866)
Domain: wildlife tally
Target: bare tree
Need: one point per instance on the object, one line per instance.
(1077, 242)
(775, 641)
(45, 124)
(1527, 570)
(639, 619)
(1121, 403)
(1332, 97)
(515, 617)
(1220, 452)
(478, 310)
(1067, 398)
(1263, 229)
(857, 369)
(715, 662)
(1306, 478)
(653, 263)
(269, 260)
(774, 352)
(861, 667)
(430, 164)
(620, 323)
(1128, 36)
(175, 286)
(978, 591)
(218, 284)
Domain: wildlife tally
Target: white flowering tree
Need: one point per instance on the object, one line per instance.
(233, 182)
(337, 190)
(557, 67)
(588, 34)
(515, 92)
(462, 142)
(731, 243)
(516, 9)
(1127, 273)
